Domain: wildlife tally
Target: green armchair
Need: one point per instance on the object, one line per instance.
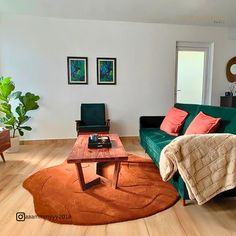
(93, 119)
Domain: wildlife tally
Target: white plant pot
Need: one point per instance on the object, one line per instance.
(15, 145)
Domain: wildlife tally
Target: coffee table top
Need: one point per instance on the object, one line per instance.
(81, 153)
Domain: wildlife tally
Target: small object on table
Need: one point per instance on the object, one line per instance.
(99, 142)
(93, 137)
(228, 94)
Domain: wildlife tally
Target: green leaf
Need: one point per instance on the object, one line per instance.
(2, 98)
(22, 117)
(10, 122)
(20, 110)
(21, 132)
(6, 88)
(6, 108)
(29, 101)
(26, 118)
(26, 128)
(16, 95)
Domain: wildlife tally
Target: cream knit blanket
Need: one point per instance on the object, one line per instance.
(206, 163)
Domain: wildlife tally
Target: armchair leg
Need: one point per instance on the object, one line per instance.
(183, 202)
(3, 157)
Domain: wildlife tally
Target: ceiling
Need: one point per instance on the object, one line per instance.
(190, 12)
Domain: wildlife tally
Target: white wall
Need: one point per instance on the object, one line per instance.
(33, 51)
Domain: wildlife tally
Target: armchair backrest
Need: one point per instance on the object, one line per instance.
(93, 113)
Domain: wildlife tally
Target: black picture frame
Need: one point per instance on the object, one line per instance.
(104, 79)
(73, 64)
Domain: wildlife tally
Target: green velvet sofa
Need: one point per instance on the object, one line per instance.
(153, 140)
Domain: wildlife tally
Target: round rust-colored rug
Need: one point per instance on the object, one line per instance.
(140, 193)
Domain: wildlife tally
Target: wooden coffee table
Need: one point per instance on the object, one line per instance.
(82, 154)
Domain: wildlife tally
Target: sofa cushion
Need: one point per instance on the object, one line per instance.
(227, 115)
(173, 121)
(154, 140)
(203, 124)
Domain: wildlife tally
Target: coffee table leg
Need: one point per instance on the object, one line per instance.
(116, 175)
(99, 167)
(80, 175)
(3, 157)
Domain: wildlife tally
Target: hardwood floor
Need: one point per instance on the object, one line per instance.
(217, 217)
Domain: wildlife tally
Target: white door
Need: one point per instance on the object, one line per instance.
(193, 77)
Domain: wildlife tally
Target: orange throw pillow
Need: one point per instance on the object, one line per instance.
(203, 124)
(173, 121)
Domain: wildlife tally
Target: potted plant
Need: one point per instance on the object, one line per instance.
(14, 108)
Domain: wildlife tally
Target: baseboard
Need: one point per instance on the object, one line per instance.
(47, 141)
(130, 138)
(52, 141)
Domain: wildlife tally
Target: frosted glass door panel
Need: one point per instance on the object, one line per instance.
(190, 77)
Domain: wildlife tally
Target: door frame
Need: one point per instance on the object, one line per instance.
(208, 47)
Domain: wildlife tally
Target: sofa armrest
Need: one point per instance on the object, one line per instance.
(150, 121)
(78, 123)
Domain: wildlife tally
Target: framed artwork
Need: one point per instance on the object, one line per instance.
(77, 70)
(106, 70)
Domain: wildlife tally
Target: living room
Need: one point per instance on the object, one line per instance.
(37, 38)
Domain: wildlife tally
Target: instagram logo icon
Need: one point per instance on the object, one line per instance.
(20, 216)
